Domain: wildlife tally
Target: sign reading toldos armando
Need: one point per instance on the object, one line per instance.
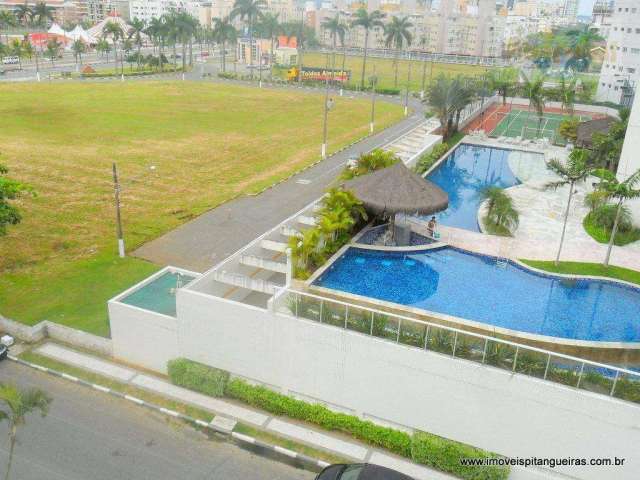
(319, 74)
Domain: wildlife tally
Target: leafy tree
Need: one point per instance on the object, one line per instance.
(500, 210)
(103, 48)
(575, 170)
(78, 48)
(17, 404)
(17, 49)
(7, 19)
(224, 32)
(534, 89)
(42, 14)
(368, 21)
(24, 14)
(250, 11)
(270, 28)
(568, 128)
(620, 192)
(607, 147)
(114, 30)
(503, 80)
(397, 34)
(138, 27)
(567, 94)
(447, 97)
(370, 162)
(53, 50)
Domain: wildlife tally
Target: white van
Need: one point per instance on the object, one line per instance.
(10, 60)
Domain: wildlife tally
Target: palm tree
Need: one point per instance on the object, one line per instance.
(7, 19)
(621, 192)
(114, 30)
(442, 98)
(138, 27)
(336, 30)
(302, 35)
(17, 49)
(185, 27)
(397, 35)
(103, 47)
(42, 14)
(24, 14)
(575, 170)
(17, 404)
(78, 48)
(567, 94)
(581, 45)
(534, 89)
(500, 209)
(53, 48)
(223, 32)
(249, 10)
(503, 80)
(270, 27)
(368, 21)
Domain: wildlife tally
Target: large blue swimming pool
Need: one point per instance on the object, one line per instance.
(468, 170)
(470, 286)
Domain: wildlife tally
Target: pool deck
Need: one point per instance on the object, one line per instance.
(541, 217)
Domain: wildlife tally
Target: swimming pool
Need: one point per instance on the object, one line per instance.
(470, 286)
(467, 171)
(159, 295)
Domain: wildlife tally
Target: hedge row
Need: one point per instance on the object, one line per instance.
(427, 449)
(426, 160)
(139, 73)
(198, 377)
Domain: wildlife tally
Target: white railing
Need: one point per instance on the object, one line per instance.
(249, 283)
(265, 264)
(522, 359)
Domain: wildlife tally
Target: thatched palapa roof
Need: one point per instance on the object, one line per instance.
(396, 189)
(587, 129)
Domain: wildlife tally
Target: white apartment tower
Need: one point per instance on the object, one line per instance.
(621, 67)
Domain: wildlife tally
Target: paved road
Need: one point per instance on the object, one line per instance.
(91, 436)
(208, 239)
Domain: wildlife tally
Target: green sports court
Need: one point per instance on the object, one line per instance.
(527, 124)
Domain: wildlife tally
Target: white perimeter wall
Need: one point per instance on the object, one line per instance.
(480, 405)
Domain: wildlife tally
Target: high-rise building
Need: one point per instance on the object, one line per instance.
(621, 64)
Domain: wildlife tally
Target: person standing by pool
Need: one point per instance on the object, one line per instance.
(431, 227)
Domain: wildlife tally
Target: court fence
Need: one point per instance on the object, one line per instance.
(517, 358)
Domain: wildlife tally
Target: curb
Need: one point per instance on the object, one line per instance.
(243, 440)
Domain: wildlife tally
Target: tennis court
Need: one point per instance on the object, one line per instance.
(527, 124)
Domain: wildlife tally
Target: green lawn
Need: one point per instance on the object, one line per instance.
(595, 269)
(602, 234)
(209, 143)
(386, 72)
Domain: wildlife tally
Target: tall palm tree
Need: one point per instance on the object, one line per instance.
(300, 32)
(223, 32)
(53, 49)
(42, 14)
(78, 48)
(17, 50)
(171, 34)
(138, 28)
(24, 14)
(534, 89)
(368, 21)
(336, 30)
(397, 35)
(16, 405)
(567, 94)
(442, 98)
(103, 48)
(185, 27)
(271, 28)
(250, 11)
(503, 80)
(114, 30)
(621, 192)
(576, 169)
(7, 19)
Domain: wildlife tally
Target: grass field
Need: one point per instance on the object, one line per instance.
(385, 70)
(580, 268)
(208, 142)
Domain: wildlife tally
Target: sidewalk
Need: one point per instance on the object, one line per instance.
(227, 413)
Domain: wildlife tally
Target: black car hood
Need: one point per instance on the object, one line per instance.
(376, 472)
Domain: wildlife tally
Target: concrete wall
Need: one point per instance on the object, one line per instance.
(630, 159)
(511, 414)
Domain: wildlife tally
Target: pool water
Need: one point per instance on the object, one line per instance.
(471, 286)
(466, 172)
(159, 295)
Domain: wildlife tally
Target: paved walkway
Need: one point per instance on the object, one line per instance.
(297, 432)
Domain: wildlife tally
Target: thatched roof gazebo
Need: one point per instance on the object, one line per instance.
(396, 189)
(586, 130)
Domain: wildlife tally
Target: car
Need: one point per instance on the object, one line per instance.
(10, 60)
(4, 351)
(360, 471)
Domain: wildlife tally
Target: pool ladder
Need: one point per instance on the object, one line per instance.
(502, 259)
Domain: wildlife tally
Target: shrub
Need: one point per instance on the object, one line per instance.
(605, 215)
(278, 404)
(228, 75)
(426, 160)
(196, 376)
(445, 455)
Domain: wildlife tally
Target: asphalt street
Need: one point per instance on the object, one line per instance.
(89, 435)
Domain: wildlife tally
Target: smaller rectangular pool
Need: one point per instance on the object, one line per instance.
(159, 295)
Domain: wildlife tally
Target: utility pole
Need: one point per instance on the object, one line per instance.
(373, 98)
(406, 95)
(116, 188)
(326, 112)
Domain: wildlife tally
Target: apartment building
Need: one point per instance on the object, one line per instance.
(621, 66)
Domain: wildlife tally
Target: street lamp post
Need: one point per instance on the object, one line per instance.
(406, 95)
(374, 81)
(327, 106)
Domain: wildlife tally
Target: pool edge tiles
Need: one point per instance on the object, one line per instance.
(157, 294)
(562, 314)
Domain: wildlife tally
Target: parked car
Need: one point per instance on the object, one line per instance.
(360, 471)
(10, 60)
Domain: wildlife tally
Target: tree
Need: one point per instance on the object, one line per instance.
(567, 94)
(24, 14)
(42, 14)
(270, 27)
(607, 147)
(185, 26)
(250, 11)
(53, 50)
(397, 35)
(575, 170)
(223, 32)
(17, 404)
(581, 45)
(304, 37)
(78, 48)
(620, 192)
(10, 190)
(103, 48)
(17, 50)
(368, 21)
(138, 27)
(503, 80)
(500, 209)
(569, 129)
(370, 162)
(447, 97)
(534, 89)
(114, 30)
(7, 19)
(336, 30)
